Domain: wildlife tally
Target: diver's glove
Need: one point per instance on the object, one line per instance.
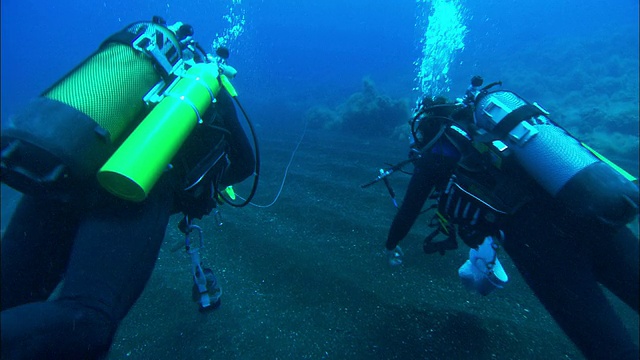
(414, 152)
(394, 256)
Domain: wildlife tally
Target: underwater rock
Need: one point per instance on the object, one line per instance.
(364, 113)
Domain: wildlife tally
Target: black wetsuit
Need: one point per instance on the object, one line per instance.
(431, 170)
(562, 257)
(105, 248)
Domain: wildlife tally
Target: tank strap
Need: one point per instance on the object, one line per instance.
(155, 40)
(514, 118)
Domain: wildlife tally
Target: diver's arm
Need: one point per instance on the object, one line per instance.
(420, 185)
(241, 155)
(432, 169)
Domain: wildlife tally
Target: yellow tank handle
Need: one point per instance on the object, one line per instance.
(227, 85)
(610, 163)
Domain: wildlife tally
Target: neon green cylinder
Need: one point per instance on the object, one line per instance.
(136, 166)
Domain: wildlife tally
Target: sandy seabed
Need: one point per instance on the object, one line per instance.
(306, 278)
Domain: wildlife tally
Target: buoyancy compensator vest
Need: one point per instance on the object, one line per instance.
(202, 165)
(478, 196)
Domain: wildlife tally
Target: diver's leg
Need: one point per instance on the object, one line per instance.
(429, 170)
(616, 260)
(112, 258)
(555, 262)
(35, 250)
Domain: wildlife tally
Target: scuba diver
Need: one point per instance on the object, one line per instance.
(144, 128)
(505, 176)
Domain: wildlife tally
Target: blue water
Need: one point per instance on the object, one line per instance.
(579, 59)
(292, 55)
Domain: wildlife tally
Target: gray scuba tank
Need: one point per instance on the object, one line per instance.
(556, 160)
(550, 155)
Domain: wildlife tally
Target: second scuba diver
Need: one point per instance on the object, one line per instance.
(504, 175)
